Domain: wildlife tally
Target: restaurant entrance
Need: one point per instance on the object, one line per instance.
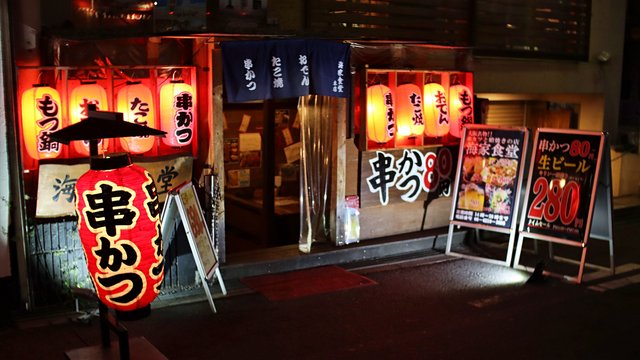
(262, 165)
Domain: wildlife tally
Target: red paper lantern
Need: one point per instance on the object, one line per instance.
(461, 108)
(135, 102)
(436, 111)
(119, 225)
(410, 119)
(381, 117)
(177, 113)
(81, 96)
(40, 112)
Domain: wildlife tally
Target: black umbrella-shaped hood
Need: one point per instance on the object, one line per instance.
(102, 125)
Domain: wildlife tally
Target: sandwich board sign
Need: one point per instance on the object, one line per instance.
(182, 205)
(487, 187)
(562, 188)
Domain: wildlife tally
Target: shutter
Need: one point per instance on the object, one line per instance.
(506, 113)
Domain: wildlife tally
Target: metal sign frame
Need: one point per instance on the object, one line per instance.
(202, 248)
(511, 230)
(587, 233)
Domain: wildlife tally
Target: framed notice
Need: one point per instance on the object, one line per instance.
(561, 189)
(182, 205)
(488, 178)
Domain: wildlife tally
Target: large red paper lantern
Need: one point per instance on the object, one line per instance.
(381, 117)
(461, 107)
(79, 100)
(409, 118)
(119, 226)
(40, 110)
(436, 111)
(135, 102)
(177, 113)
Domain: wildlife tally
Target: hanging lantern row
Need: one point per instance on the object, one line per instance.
(81, 97)
(41, 114)
(381, 118)
(461, 108)
(135, 102)
(429, 111)
(177, 111)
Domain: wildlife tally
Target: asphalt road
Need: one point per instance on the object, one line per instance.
(439, 307)
(452, 309)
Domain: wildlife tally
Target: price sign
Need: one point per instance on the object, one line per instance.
(562, 183)
(488, 177)
(407, 175)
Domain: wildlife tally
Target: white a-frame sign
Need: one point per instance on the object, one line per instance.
(182, 205)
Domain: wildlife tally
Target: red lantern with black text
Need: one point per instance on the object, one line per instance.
(119, 226)
(135, 102)
(40, 110)
(409, 118)
(381, 117)
(461, 107)
(436, 111)
(81, 96)
(177, 113)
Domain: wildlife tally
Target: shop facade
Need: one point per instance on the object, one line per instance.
(274, 170)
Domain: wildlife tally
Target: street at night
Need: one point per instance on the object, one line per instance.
(434, 307)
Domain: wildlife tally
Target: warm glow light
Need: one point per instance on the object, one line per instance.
(40, 116)
(381, 119)
(177, 113)
(119, 226)
(461, 107)
(81, 96)
(409, 116)
(135, 102)
(436, 111)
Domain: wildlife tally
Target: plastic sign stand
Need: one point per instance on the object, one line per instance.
(566, 215)
(488, 181)
(182, 205)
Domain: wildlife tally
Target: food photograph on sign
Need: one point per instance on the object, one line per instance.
(488, 184)
(488, 178)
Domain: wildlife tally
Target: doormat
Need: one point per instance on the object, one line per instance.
(300, 283)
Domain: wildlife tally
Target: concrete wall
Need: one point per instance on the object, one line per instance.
(594, 85)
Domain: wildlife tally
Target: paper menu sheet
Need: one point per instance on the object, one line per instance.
(250, 142)
(292, 152)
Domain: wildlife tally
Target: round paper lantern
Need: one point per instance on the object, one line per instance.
(461, 107)
(40, 112)
(436, 111)
(177, 113)
(135, 102)
(410, 119)
(119, 226)
(381, 119)
(81, 96)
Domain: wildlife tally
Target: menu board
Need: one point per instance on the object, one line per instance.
(489, 175)
(562, 183)
(182, 205)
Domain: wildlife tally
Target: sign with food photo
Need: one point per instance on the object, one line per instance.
(562, 183)
(489, 171)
